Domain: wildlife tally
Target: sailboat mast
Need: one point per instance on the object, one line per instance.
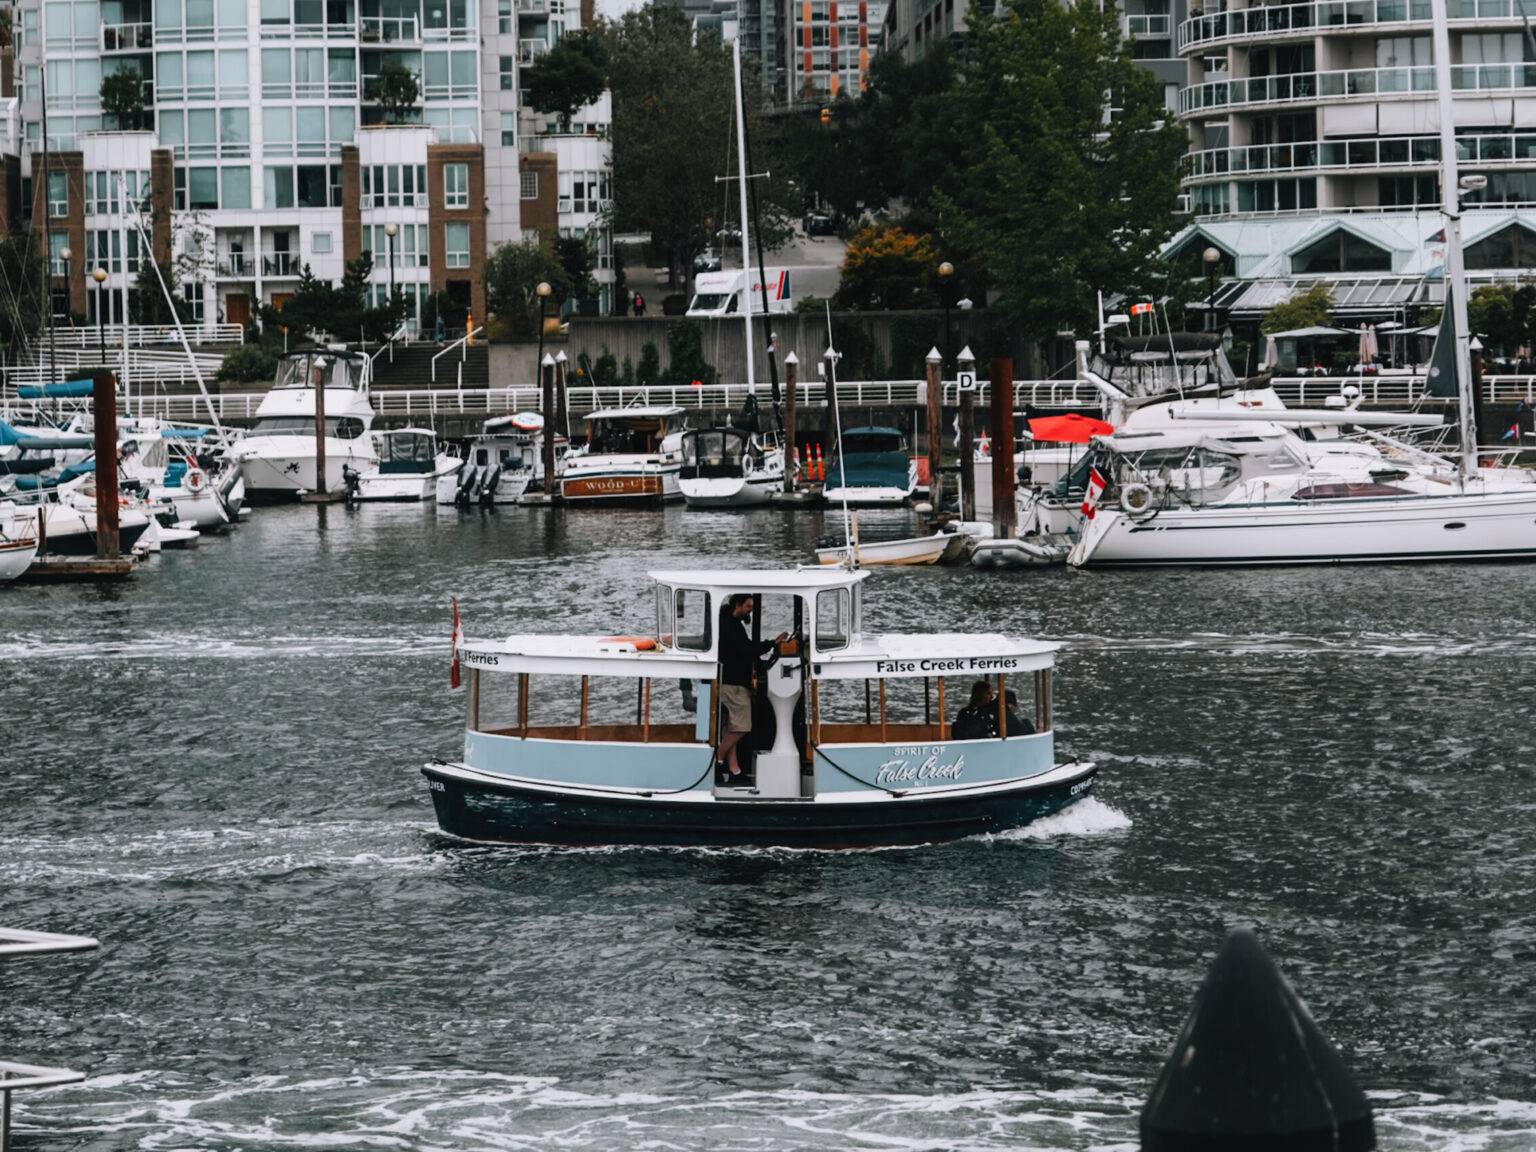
(1450, 208)
(741, 184)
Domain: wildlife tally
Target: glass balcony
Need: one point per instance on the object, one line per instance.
(127, 37)
(1484, 149)
(1325, 15)
(280, 264)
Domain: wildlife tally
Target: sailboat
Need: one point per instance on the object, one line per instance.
(730, 466)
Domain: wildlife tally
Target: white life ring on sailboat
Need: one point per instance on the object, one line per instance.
(1135, 499)
(195, 480)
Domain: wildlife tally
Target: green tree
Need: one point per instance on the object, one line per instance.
(396, 90)
(1503, 315)
(1053, 202)
(887, 268)
(249, 363)
(575, 256)
(122, 97)
(672, 114)
(512, 276)
(1305, 309)
(648, 375)
(569, 76)
(685, 353)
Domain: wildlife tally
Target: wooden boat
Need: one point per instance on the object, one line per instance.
(851, 744)
(631, 457)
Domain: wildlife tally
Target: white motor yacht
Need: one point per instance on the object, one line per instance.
(411, 467)
(277, 458)
(729, 468)
(632, 456)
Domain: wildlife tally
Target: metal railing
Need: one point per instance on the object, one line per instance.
(462, 344)
(16, 1077)
(1485, 148)
(388, 29)
(1384, 391)
(140, 335)
(1327, 15)
(127, 37)
(280, 264)
(1153, 25)
(1352, 83)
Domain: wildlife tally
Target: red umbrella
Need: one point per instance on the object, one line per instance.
(1069, 429)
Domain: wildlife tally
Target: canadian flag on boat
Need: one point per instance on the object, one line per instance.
(1096, 485)
(458, 638)
(1140, 309)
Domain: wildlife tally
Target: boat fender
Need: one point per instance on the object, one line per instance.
(195, 480)
(1136, 499)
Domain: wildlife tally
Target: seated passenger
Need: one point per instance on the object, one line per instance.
(978, 719)
(1017, 725)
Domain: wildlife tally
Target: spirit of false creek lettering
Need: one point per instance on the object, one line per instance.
(915, 765)
(949, 664)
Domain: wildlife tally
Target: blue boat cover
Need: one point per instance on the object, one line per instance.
(57, 389)
(174, 471)
(57, 440)
(183, 433)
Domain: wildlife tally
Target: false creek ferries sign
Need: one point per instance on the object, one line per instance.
(940, 665)
(922, 764)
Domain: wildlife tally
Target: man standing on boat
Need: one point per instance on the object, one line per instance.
(739, 656)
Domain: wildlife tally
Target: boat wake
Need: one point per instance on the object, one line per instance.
(1371, 644)
(181, 645)
(1088, 817)
(465, 1109)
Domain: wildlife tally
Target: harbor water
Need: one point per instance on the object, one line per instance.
(214, 769)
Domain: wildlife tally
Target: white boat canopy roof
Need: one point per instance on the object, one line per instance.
(811, 578)
(638, 412)
(904, 655)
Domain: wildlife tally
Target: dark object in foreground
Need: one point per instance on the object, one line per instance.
(1252, 1071)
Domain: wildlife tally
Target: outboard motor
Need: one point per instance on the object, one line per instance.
(487, 492)
(353, 480)
(467, 477)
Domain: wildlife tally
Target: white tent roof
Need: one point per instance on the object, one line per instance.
(1310, 333)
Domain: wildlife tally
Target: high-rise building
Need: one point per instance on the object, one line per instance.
(1315, 149)
(263, 144)
(829, 46)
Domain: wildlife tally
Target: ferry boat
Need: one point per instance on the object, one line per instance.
(588, 740)
(277, 459)
(875, 469)
(631, 456)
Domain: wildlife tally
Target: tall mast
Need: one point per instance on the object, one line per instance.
(741, 184)
(53, 357)
(1450, 208)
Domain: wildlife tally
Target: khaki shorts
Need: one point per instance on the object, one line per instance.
(738, 707)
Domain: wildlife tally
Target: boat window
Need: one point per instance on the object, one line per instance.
(630, 436)
(874, 442)
(712, 453)
(341, 428)
(481, 457)
(834, 619)
(1348, 491)
(692, 622)
(347, 428)
(664, 613)
(406, 448)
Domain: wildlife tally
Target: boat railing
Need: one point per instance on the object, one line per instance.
(461, 345)
(16, 1077)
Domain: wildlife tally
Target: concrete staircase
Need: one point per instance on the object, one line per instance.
(411, 367)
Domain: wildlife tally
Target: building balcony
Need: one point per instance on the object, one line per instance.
(1398, 153)
(1351, 84)
(530, 50)
(238, 266)
(127, 37)
(281, 264)
(389, 30)
(1331, 16)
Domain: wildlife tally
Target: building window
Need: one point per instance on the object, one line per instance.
(506, 22)
(508, 70)
(456, 245)
(1511, 247)
(202, 187)
(57, 242)
(456, 185)
(530, 182)
(1341, 251)
(509, 129)
(58, 194)
(320, 243)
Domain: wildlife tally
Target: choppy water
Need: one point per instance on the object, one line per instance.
(214, 771)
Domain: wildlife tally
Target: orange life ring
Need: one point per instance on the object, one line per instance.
(641, 643)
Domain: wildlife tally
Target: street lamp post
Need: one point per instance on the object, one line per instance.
(64, 255)
(946, 271)
(1212, 258)
(546, 396)
(391, 231)
(99, 275)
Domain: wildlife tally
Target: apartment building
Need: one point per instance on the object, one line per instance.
(262, 146)
(1315, 148)
(828, 48)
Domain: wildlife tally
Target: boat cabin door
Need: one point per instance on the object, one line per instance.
(778, 715)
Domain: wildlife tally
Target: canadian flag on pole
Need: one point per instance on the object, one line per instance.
(1096, 484)
(458, 638)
